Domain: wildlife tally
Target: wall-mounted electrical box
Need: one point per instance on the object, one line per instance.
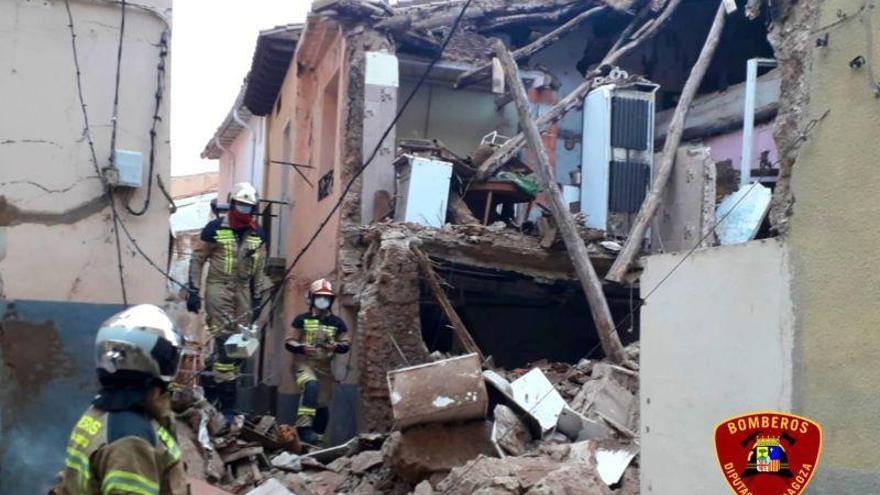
(130, 165)
(422, 190)
(618, 155)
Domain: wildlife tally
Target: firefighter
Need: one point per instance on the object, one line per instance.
(234, 246)
(125, 442)
(318, 335)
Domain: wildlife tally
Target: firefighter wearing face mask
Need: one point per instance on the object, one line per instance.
(318, 335)
(234, 246)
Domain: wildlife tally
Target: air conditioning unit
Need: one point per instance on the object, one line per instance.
(618, 155)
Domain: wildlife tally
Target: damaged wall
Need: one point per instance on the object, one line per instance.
(389, 332)
(459, 118)
(47, 169)
(833, 230)
(716, 342)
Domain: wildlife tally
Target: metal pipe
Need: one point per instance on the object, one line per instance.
(745, 164)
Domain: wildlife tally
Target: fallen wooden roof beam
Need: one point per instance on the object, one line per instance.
(577, 250)
(575, 98)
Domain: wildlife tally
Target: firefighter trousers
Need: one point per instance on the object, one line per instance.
(315, 381)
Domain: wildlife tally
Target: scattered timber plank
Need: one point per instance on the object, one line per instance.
(575, 98)
(461, 332)
(664, 169)
(484, 71)
(580, 257)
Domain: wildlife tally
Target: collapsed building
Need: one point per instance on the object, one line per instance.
(415, 190)
(447, 181)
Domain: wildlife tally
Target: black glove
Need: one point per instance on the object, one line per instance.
(193, 300)
(256, 307)
(342, 347)
(295, 347)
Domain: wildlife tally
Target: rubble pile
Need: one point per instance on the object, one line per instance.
(552, 428)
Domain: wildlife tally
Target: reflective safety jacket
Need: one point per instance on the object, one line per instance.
(121, 453)
(315, 330)
(235, 275)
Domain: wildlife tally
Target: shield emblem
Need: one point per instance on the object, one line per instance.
(767, 452)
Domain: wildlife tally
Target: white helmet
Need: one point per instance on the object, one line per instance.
(244, 192)
(138, 342)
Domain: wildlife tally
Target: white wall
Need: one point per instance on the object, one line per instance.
(45, 164)
(243, 159)
(716, 341)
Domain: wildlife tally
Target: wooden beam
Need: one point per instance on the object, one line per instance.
(667, 159)
(485, 71)
(461, 332)
(576, 98)
(577, 250)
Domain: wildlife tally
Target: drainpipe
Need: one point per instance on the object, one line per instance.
(745, 164)
(250, 129)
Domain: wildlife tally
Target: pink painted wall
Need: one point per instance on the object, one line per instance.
(729, 146)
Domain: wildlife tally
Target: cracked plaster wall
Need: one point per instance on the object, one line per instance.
(46, 166)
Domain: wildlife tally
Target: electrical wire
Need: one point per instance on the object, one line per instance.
(160, 92)
(114, 125)
(87, 130)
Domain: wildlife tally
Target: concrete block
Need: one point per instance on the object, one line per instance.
(509, 433)
(419, 452)
(442, 391)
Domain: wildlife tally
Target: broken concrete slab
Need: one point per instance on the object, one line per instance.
(417, 453)
(287, 461)
(423, 488)
(578, 427)
(448, 390)
(612, 463)
(366, 461)
(577, 477)
(606, 397)
(271, 487)
(486, 473)
(534, 393)
(509, 433)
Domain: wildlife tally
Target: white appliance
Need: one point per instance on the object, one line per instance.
(422, 190)
(618, 154)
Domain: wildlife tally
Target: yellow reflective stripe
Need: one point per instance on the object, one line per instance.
(78, 461)
(127, 482)
(79, 456)
(310, 329)
(306, 411)
(170, 444)
(302, 379)
(224, 367)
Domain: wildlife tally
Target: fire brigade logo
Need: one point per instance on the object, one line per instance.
(768, 453)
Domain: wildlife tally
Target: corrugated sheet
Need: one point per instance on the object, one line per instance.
(629, 123)
(627, 187)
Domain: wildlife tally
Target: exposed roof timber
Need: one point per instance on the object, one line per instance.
(447, 72)
(319, 33)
